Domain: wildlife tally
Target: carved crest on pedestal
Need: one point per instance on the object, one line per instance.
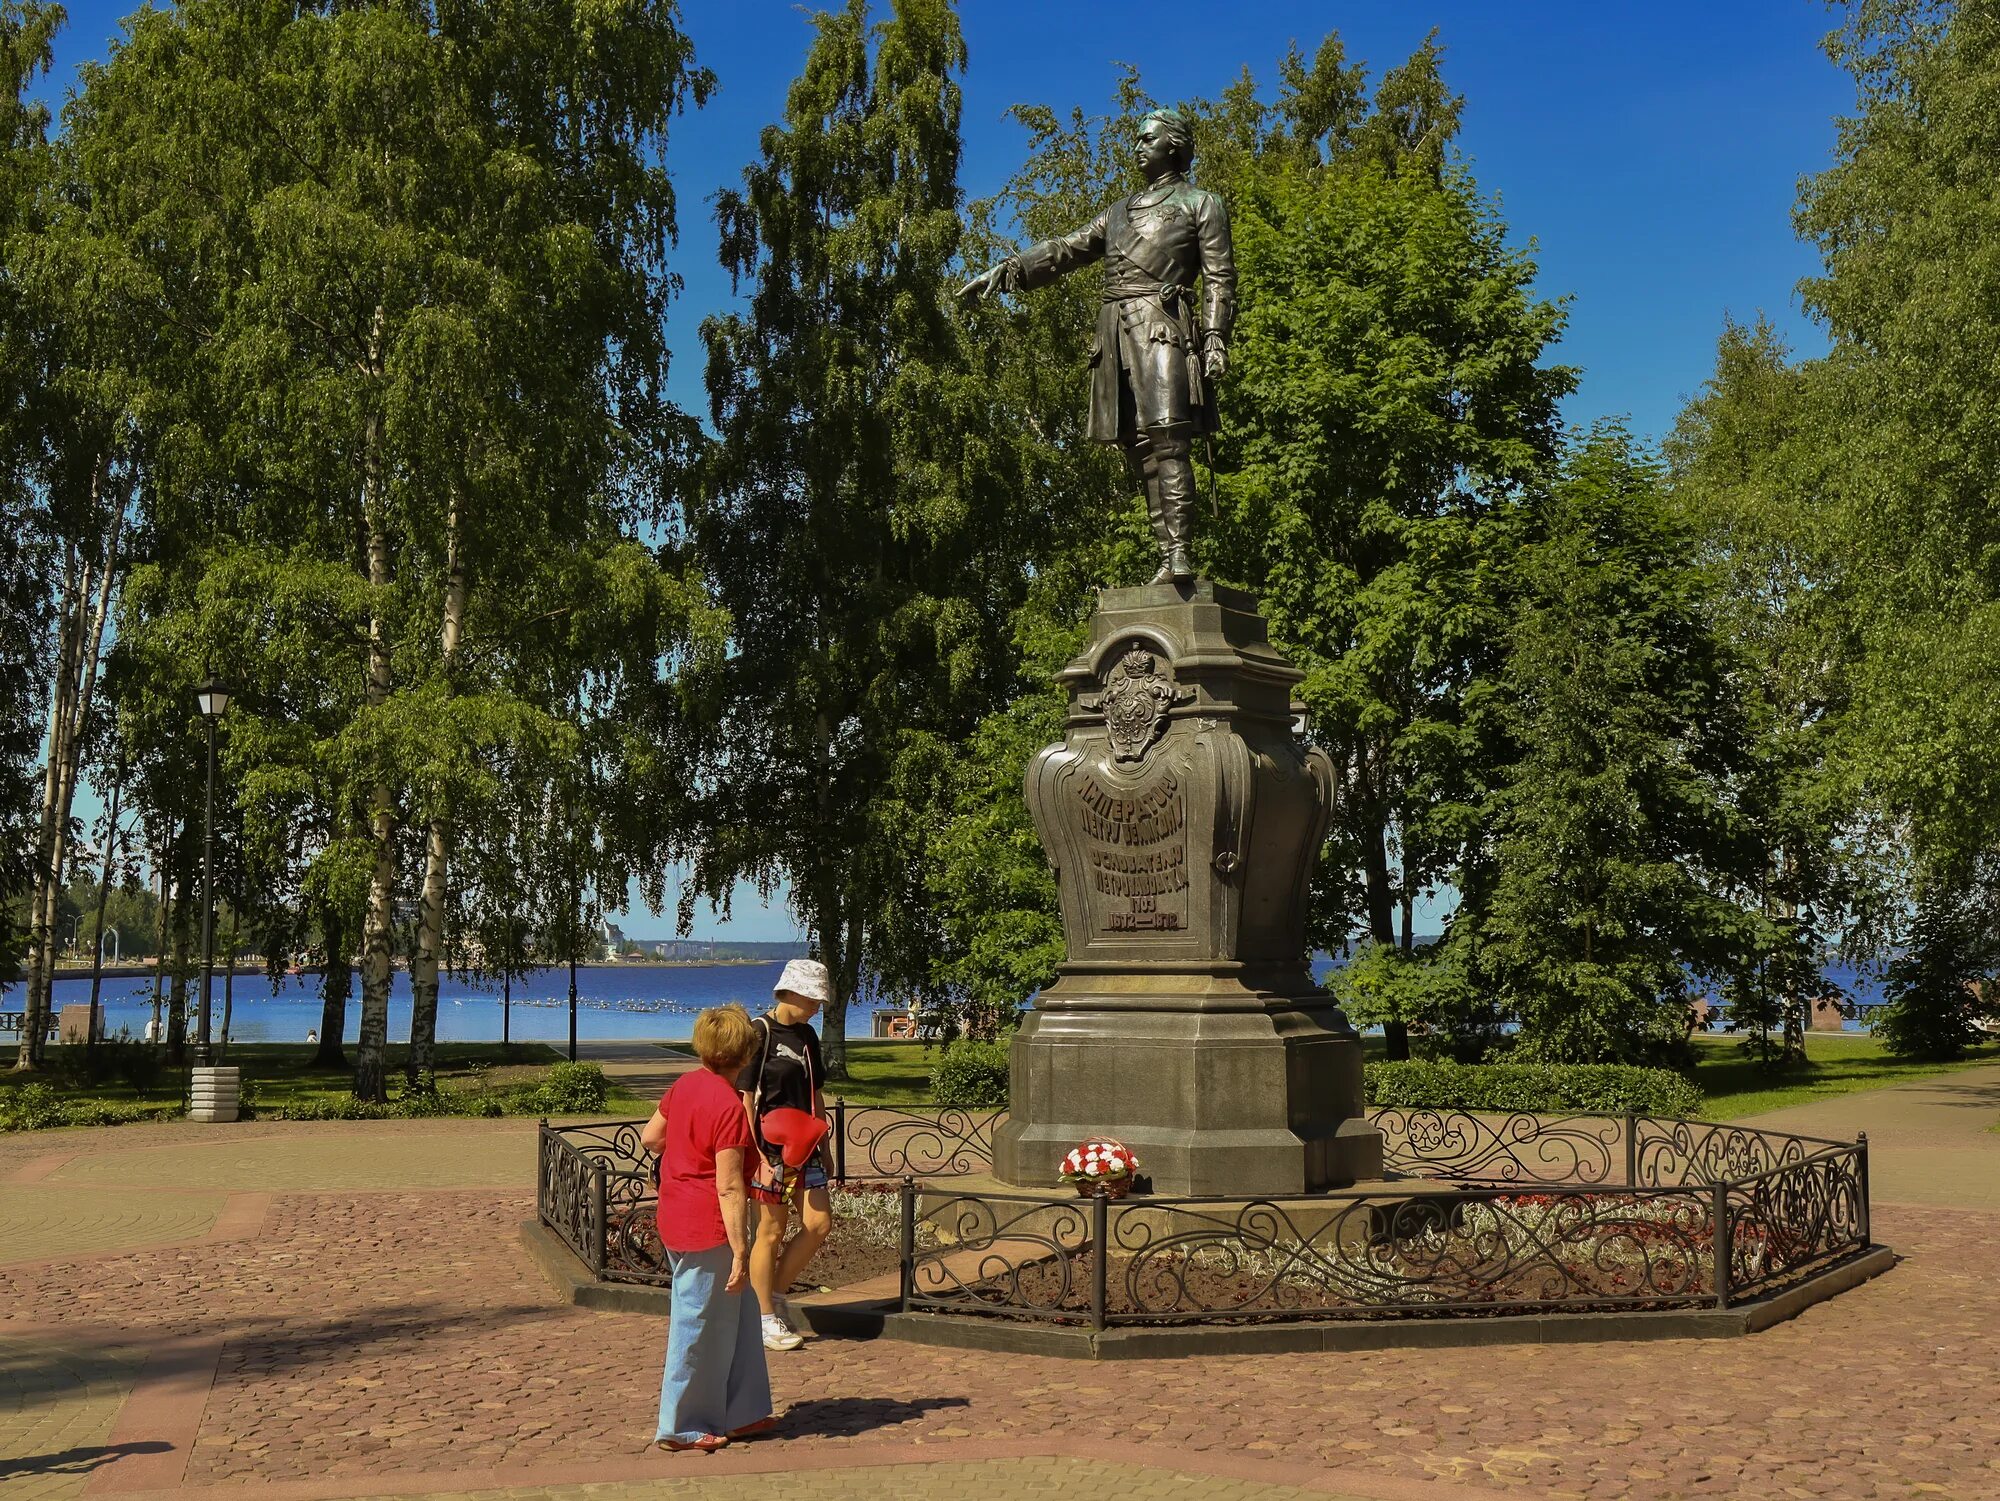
(1137, 698)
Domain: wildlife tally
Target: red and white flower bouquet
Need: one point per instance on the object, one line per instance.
(1100, 1163)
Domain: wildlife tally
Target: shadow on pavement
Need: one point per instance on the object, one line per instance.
(260, 1345)
(849, 1417)
(1978, 1094)
(76, 1461)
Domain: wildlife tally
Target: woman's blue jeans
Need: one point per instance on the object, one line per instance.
(715, 1379)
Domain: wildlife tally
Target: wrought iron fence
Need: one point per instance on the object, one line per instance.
(1501, 1213)
(888, 1142)
(1340, 1255)
(597, 1188)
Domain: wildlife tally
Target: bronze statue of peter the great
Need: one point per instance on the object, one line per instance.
(1154, 363)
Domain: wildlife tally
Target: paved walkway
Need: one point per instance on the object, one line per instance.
(289, 1311)
(642, 1067)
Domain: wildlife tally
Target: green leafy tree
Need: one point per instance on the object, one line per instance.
(1754, 473)
(848, 519)
(1910, 299)
(436, 239)
(1941, 992)
(26, 33)
(1609, 836)
(1387, 402)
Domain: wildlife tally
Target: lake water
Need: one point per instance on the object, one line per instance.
(627, 1000)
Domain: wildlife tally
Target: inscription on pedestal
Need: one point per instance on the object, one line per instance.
(1136, 853)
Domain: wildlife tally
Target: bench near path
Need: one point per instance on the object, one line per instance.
(341, 1309)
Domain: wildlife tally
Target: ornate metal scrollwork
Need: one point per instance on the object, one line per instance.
(896, 1143)
(999, 1254)
(1518, 1148)
(1791, 1220)
(1535, 1219)
(1672, 1153)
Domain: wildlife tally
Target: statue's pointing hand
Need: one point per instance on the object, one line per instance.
(986, 284)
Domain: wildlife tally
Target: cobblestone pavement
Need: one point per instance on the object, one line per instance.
(987, 1480)
(384, 1333)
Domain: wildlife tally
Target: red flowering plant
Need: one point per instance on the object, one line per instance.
(1100, 1161)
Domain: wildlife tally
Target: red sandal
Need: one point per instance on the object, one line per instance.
(752, 1430)
(708, 1443)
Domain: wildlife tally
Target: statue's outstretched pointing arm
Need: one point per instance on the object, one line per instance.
(1040, 264)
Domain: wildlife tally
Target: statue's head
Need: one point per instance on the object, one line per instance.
(1166, 142)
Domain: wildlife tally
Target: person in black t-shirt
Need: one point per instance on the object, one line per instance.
(786, 1069)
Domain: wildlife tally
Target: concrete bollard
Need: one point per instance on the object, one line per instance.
(215, 1094)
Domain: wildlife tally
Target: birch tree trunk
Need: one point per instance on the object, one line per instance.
(103, 899)
(163, 859)
(45, 836)
(1381, 897)
(437, 833)
(377, 925)
(87, 653)
(371, 1051)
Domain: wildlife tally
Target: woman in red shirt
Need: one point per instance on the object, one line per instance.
(715, 1386)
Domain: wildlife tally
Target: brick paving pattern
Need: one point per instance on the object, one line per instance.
(446, 1155)
(385, 1334)
(44, 1221)
(57, 1406)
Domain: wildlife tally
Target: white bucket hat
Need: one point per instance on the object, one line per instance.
(806, 977)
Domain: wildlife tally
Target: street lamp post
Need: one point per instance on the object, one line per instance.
(214, 700)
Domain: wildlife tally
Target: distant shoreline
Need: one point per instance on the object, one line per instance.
(145, 971)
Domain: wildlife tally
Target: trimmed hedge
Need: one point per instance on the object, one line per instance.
(972, 1075)
(1588, 1088)
(37, 1107)
(566, 1089)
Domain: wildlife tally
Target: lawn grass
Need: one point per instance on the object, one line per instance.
(1837, 1063)
(886, 1073)
(280, 1074)
(879, 1072)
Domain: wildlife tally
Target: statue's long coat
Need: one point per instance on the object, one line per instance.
(1153, 245)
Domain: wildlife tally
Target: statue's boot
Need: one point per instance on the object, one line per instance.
(1144, 456)
(1175, 468)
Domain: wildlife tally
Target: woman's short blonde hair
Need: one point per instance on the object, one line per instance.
(724, 1036)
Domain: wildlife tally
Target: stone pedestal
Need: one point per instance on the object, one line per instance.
(1183, 817)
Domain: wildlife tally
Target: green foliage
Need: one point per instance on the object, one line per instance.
(971, 1074)
(27, 559)
(1426, 988)
(572, 1088)
(990, 885)
(1599, 1089)
(39, 1107)
(855, 526)
(1610, 825)
(1941, 989)
(1387, 400)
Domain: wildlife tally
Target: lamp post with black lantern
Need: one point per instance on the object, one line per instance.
(214, 700)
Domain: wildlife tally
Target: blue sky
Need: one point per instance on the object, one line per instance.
(1651, 153)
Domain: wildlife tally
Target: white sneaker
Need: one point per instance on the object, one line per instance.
(778, 1335)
